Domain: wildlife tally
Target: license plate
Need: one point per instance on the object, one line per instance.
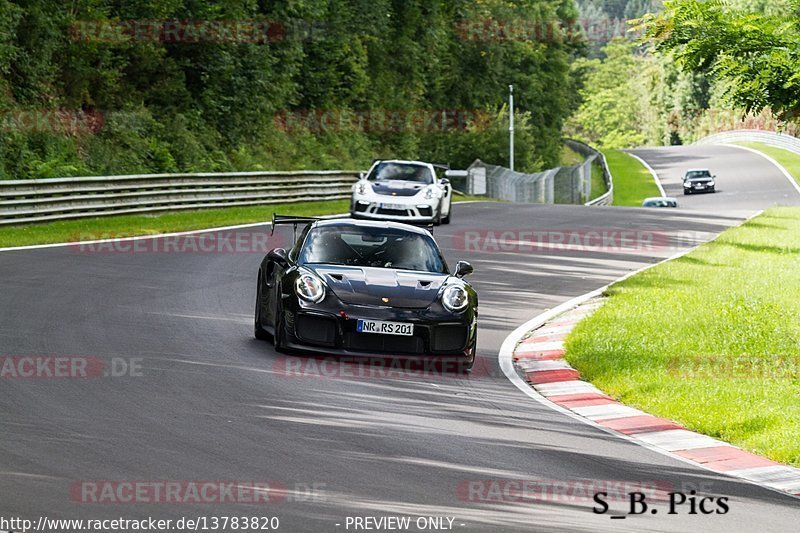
(397, 207)
(384, 328)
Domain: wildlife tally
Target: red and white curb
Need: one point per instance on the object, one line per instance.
(539, 358)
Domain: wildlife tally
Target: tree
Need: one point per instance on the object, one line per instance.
(755, 56)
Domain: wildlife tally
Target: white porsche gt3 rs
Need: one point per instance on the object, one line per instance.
(404, 191)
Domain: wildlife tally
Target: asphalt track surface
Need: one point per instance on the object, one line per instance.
(212, 403)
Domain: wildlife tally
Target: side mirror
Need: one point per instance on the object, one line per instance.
(361, 175)
(444, 181)
(278, 255)
(463, 269)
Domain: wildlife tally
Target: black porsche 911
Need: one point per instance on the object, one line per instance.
(358, 287)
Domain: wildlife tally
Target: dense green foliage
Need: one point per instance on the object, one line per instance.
(603, 20)
(702, 67)
(629, 96)
(753, 52)
(173, 101)
(659, 105)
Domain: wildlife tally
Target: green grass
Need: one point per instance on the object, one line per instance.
(130, 225)
(569, 157)
(598, 183)
(789, 160)
(632, 181)
(711, 340)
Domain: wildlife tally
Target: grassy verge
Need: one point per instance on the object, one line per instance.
(711, 339)
(632, 181)
(569, 157)
(789, 160)
(130, 225)
(598, 183)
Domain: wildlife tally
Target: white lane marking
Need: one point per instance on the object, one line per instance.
(506, 361)
(771, 160)
(534, 347)
(534, 365)
(680, 439)
(607, 411)
(266, 223)
(652, 172)
(560, 388)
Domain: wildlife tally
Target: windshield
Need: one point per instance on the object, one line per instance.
(698, 174)
(372, 247)
(401, 171)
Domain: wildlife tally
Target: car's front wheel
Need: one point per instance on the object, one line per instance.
(260, 334)
(446, 220)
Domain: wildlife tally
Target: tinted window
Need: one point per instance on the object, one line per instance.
(372, 247)
(698, 174)
(401, 171)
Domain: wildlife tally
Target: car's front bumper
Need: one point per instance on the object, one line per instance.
(329, 332)
(401, 209)
(701, 188)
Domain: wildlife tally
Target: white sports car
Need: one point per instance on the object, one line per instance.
(404, 191)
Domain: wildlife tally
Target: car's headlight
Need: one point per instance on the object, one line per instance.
(430, 192)
(361, 188)
(455, 298)
(309, 287)
(711, 183)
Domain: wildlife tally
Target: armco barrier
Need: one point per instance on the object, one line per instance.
(778, 140)
(569, 185)
(608, 197)
(593, 157)
(65, 198)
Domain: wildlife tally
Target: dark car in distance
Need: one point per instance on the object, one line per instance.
(699, 180)
(359, 287)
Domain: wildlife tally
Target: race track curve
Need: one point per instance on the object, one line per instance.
(211, 403)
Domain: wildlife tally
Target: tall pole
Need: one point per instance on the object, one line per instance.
(511, 127)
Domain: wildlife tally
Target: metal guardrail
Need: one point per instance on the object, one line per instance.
(66, 198)
(778, 140)
(506, 184)
(608, 197)
(592, 157)
(564, 185)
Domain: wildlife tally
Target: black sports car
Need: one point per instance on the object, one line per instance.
(358, 287)
(698, 180)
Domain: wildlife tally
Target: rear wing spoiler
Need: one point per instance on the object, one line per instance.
(283, 220)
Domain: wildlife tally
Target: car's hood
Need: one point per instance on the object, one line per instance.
(370, 286)
(397, 187)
